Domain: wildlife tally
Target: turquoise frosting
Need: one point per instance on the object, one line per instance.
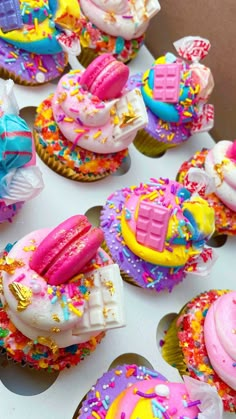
(166, 111)
(15, 144)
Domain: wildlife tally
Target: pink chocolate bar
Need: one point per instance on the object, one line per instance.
(167, 82)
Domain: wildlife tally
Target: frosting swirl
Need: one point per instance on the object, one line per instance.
(128, 19)
(101, 126)
(220, 337)
(220, 165)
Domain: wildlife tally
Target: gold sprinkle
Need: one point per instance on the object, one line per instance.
(55, 330)
(105, 312)
(128, 117)
(110, 286)
(219, 169)
(1, 285)
(61, 97)
(50, 343)
(22, 294)
(29, 248)
(55, 317)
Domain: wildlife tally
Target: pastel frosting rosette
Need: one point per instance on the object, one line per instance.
(36, 37)
(84, 129)
(60, 292)
(20, 178)
(131, 391)
(175, 91)
(115, 27)
(201, 342)
(214, 171)
(157, 233)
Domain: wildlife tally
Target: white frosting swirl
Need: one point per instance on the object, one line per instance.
(126, 18)
(223, 170)
(95, 125)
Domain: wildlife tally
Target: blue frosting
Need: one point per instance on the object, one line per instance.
(28, 18)
(15, 147)
(197, 237)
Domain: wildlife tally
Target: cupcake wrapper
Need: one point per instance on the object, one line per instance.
(171, 351)
(55, 164)
(86, 56)
(149, 146)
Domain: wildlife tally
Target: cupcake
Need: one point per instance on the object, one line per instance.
(175, 93)
(214, 171)
(131, 391)
(20, 179)
(157, 233)
(115, 26)
(200, 342)
(59, 292)
(35, 39)
(82, 131)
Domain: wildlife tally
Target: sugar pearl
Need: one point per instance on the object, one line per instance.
(36, 288)
(162, 390)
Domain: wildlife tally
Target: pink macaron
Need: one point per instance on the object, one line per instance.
(66, 249)
(105, 77)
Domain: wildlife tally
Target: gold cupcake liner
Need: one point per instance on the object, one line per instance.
(86, 56)
(149, 146)
(57, 166)
(171, 350)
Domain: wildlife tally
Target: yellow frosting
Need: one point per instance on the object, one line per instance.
(142, 409)
(43, 29)
(178, 257)
(203, 214)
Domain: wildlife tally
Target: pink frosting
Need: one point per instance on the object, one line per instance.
(173, 401)
(220, 337)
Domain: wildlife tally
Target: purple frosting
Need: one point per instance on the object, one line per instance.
(156, 127)
(31, 68)
(8, 211)
(110, 385)
(138, 269)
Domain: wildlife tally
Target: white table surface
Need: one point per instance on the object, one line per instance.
(34, 395)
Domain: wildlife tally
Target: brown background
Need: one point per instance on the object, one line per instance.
(216, 21)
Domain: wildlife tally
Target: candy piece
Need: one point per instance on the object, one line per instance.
(104, 309)
(167, 82)
(205, 119)
(105, 77)
(192, 48)
(68, 248)
(231, 153)
(10, 15)
(152, 225)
